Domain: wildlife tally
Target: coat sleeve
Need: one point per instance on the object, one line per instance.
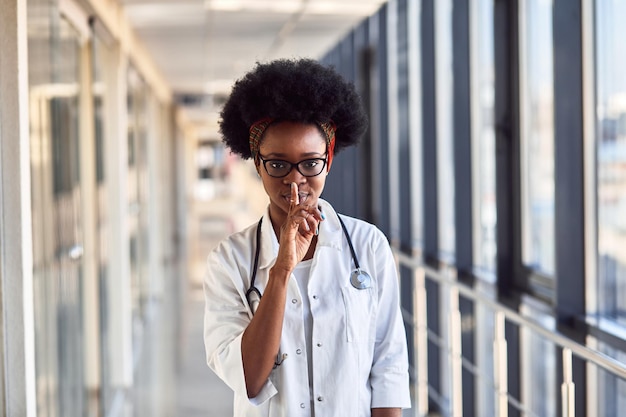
(389, 375)
(226, 316)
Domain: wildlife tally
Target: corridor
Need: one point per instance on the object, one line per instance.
(494, 163)
(234, 203)
(200, 392)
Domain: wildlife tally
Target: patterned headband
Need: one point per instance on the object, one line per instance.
(258, 128)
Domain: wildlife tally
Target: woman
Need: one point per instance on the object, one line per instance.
(302, 314)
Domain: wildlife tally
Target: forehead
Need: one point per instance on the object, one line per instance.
(291, 136)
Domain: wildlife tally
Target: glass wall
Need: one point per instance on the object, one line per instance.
(482, 78)
(483, 139)
(63, 378)
(611, 189)
(611, 158)
(79, 359)
(512, 105)
(445, 120)
(538, 358)
(415, 125)
(611, 390)
(101, 56)
(54, 56)
(537, 135)
(137, 101)
(485, 398)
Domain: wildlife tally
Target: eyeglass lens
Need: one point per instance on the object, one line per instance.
(308, 167)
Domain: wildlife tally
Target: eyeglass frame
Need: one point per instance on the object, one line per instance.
(292, 165)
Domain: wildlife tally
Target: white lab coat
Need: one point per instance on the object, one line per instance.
(359, 345)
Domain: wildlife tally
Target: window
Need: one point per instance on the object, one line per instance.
(445, 157)
(611, 389)
(139, 118)
(538, 364)
(537, 135)
(611, 157)
(485, 395)
(101, 91)
(54, 50)
(483, 137)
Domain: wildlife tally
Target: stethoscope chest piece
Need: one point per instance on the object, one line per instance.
(360, 279)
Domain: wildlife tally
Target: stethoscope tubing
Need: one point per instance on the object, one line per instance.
(254, 290)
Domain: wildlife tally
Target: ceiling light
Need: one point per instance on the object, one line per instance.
(361, 8)
(168, 14)
(324, 7)
(276, 6)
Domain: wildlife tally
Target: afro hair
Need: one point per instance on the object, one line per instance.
(292, 90)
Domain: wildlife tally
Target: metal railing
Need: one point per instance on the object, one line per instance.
(451, 345)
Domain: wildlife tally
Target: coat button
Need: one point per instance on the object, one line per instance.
(298, 351)
(319, 345)
(301, 405)
(294, 301)
(320, 398)
(315, 297)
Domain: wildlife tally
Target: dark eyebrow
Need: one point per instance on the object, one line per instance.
(308, 155)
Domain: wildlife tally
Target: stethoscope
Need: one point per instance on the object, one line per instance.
(358, 278)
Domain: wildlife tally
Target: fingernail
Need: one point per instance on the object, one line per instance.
(317, 231)
(323, 216)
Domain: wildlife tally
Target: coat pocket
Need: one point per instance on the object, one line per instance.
(359, 308)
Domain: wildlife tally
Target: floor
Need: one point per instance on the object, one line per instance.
(235, 204)
(200, 392)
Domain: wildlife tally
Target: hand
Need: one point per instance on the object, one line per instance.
(297, 233)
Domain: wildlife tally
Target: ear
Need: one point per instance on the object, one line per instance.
(257, 166)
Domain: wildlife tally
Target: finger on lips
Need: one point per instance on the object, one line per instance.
(295, 199)
(310, 216)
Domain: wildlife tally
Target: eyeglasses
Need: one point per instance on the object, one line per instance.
(308, 167)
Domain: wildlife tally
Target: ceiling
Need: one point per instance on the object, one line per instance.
(202, 46)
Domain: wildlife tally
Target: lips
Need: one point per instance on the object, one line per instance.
(301, 196)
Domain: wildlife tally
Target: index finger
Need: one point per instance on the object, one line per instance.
(295, 198)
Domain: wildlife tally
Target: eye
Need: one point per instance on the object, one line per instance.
(311, 163)
(277, 164)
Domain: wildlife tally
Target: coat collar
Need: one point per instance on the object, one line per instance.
(331, 235)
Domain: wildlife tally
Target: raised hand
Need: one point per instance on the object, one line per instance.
(297, 233)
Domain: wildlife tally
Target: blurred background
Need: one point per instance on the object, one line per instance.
(494, 162)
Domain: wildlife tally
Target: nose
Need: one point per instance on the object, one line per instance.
(294, 176)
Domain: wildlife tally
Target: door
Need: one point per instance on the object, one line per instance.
(54, 51)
